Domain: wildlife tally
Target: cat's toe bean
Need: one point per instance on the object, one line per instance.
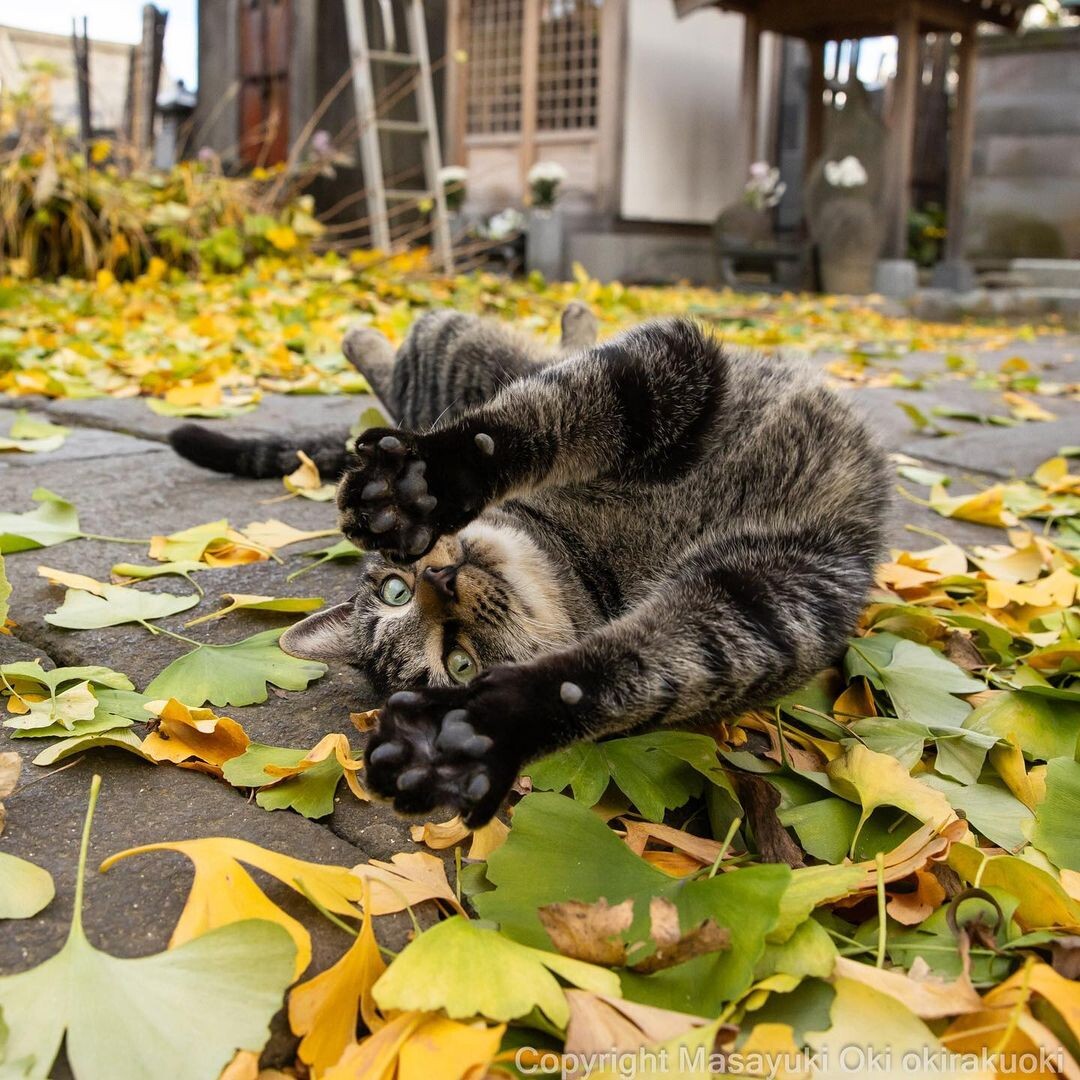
(412, 485)
(387, 753)
(383, 521)
(418, 540)
(414, 778)
(374, 489)
(478, 786)
(391, 444)
(455, 733)
(477, 746)
(405, 699)
(484, 443)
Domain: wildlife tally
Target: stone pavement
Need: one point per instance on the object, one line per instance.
(125, 481)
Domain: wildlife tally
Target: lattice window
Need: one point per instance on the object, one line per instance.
(494, 94)
(569, 65)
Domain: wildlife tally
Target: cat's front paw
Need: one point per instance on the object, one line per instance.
(401, 494)
(456, 747)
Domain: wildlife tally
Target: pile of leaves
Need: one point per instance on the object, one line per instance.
(65, 211)
(887, 863)
(277, 324)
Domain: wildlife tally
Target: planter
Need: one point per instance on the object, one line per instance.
(848, 276)
(544, 244)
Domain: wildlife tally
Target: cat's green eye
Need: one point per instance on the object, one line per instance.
(461, 666)
(395, 592)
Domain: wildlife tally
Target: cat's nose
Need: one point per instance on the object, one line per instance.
(443, 580)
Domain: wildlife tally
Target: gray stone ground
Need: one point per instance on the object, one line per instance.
(126, 482)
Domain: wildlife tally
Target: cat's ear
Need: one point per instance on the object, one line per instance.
(322, 636)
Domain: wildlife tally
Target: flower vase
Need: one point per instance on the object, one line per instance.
(544, 243)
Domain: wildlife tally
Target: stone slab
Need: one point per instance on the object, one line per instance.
(83, 444)
(279, 414)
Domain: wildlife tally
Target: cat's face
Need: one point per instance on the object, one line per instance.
(475, 600)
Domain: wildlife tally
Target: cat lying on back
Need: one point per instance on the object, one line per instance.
(647, 532)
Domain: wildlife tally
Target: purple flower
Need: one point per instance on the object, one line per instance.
(322, 144)
(206, 155)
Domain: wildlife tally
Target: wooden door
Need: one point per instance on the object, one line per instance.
(265, 40)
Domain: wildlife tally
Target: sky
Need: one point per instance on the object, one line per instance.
(114, 20)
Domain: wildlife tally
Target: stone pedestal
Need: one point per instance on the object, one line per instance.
(898, 278)
(544, 244)
(955, 274)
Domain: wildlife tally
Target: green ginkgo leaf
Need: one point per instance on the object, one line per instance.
(470, 970)
(85, 611)
(5, 592)
(310, 793)
(64, 710)
(188, 1009)
(25, 889)
(235, 674)
(343, 549)
(1057, 818)
(54, 521)
(287, 605)
(26, 426)
(17, 674)
(183, 568)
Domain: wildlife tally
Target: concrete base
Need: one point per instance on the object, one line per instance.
(1048, 273)
(955, 274)
(898, 278)
(943, 305)
(643, 258)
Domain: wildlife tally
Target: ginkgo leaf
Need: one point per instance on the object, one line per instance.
(469, 970)
(54, 521)
(120, 739)
(223, 892)
(213, 543)
(872, 780)
(1057, 817)
(274, 534)
(235, 674)
(5, 593)
(68, 580)
(343, 549)
(121, 1018)
(183, 734)
(325, 1010)
(445, 834)
(25, 889)
(76, 703)
(985, 508)
(410, 877)
(124, 572)
(292, 605)
(115, 605)
(228, 408)
(24, 675)
(307, 482)
(10, 767)
(26, 426)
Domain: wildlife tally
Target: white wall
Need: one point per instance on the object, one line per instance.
(681, 159)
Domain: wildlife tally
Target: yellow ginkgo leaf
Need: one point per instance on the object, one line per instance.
(223, 892)
(307, 482)
(409, 878)
(333, 744)
(67, 708)
(325, 1009)
(1023, 408)
(1059, 590)
(274, 534)
(195, 738)
(248, 602)
(195, 393)
(214, 544)
(445, 834)
(984, 508)
(72, 581)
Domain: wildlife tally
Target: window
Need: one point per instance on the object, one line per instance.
(569, 65)
(494, 47)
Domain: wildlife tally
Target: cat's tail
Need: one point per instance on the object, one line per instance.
(259, 457)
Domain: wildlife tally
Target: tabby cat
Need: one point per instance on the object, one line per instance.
(649, 531)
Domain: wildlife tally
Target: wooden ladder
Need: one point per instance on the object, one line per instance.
(372, 126)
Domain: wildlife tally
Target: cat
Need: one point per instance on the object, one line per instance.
(649, 531)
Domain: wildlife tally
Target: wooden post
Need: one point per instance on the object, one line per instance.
(81, 49)
(815, 106)
(961, 137)
(613, 18)
(148, 74)
(748, 92)
(454, 94)
(903, 128)
(530, 67)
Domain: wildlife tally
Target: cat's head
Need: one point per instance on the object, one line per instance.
(486, 596)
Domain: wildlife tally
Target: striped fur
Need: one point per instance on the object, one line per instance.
(653, 531)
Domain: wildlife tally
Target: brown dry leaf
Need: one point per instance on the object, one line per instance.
(910, 908)
(703, 851)
(365, 721)
(928, 998)
(324, 1010)
(72, 581)
(409, 878)
(446, 834)
(183, 734)
(592, 932)
(961, 650)
(10, 767)
(335, 744)
(600, 1024)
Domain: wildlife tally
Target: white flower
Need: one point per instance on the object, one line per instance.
(505, 223)
(453, 174)
(764, 189)
(546, 172)
(847, 173)
(760, 170)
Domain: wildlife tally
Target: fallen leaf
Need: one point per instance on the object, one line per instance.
(53, 522)
(183, 734)
(1057, 816)
(235, 674)
(5, 593)
(123, 572)
(928, 999)
(595, 933)
(65, 709)
(408, 878)
(25, 889)
(244, 602)
(307, 482)
(72, 581)
(984, 508)
(324, 1010)
(223, 892)
(109, 1010)
(274, 534)
(214, 544)
(343, 549)
(10, 767)
(468, 970)
(1023, 408)
(441, 835)
(114, 605)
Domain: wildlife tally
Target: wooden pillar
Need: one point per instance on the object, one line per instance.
(815, 106)
(454, 96)
(608, 151)
(961, 138)
(748, 93)
(903, 128)
(530, 66)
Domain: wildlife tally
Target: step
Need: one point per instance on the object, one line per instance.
(404, 127)
(405, 194)
(382, 56)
